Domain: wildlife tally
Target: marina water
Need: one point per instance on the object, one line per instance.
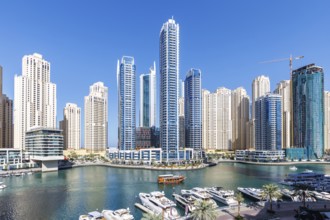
(66, 194)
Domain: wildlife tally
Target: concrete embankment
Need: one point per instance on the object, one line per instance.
(140, 167)
(276, 163)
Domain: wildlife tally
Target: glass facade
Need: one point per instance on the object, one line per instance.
(169, 81)
(146, 101)
(268, 122)
(148, 98)
(193, 109)
(308, 110)
(44, 142)
(126, 103)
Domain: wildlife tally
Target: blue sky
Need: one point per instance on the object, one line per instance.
(225, 39)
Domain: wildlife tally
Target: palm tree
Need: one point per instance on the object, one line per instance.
(303, 191)
(204, 211)
(270, 192)
(150, 216)
(240, 199)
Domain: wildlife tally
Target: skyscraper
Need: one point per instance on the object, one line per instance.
(193, 109)
(216, 117)
(327, 121)
(71, 126)
(181, 88)
(148, 98)
(169, 80)
(182, 129)
(207, 129)
(96, 118)
(284, 89)
(126, 103)
(268, 122)
(240, 109)
(6, 118)
(260, 87)
(34, 98)
(308, 110)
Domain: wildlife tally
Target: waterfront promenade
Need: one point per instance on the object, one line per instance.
(286, 211)
(146, 167)
(287, 163)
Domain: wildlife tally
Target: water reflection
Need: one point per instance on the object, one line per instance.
(67, 194)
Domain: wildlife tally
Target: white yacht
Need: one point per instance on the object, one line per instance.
(324, 196)
(224, 196)
(293, 168)
(288, 193)
(201, 194)
(120, 214)
(2, 186)
(317, 181)
(186, 201)
(159, 204)
(95, 215)
(252, 192)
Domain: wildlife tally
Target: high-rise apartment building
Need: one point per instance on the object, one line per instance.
(169, 80)
(268, 122)
(327, 121)
(34, 98)
(284, 89)
(96, 118)
(193, 109)
(240, 109)
(6, 118)
(260, 87)
(71, 126)
(308, 110)
(181, 89)
(148, 98)
(182, 129)
(216, 117)
(126, 103)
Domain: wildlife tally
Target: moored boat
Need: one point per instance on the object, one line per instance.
(2, 186)
(170, 179)
(120, 214)
(293, 168)
(159, 204)
(224, 196)
(323, 196)
(252, 192)
(95, 215)
(186, 201)
(200, 194)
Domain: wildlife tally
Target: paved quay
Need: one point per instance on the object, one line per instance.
(286, 211)
(139, 166)
(287, 163)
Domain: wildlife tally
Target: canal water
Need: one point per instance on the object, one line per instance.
(66, 194)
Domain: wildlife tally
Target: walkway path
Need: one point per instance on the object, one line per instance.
(286, 211)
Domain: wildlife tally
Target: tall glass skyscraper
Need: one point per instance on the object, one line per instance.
(308, 110)
(169, 80)
(193, 109)
(126, 103)
(148, 98)
(268, 122)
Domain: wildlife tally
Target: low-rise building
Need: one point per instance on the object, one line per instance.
(149, 155)
(10, 158)
(45, 146)
(260, 155)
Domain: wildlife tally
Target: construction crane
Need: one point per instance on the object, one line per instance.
(291, 59)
